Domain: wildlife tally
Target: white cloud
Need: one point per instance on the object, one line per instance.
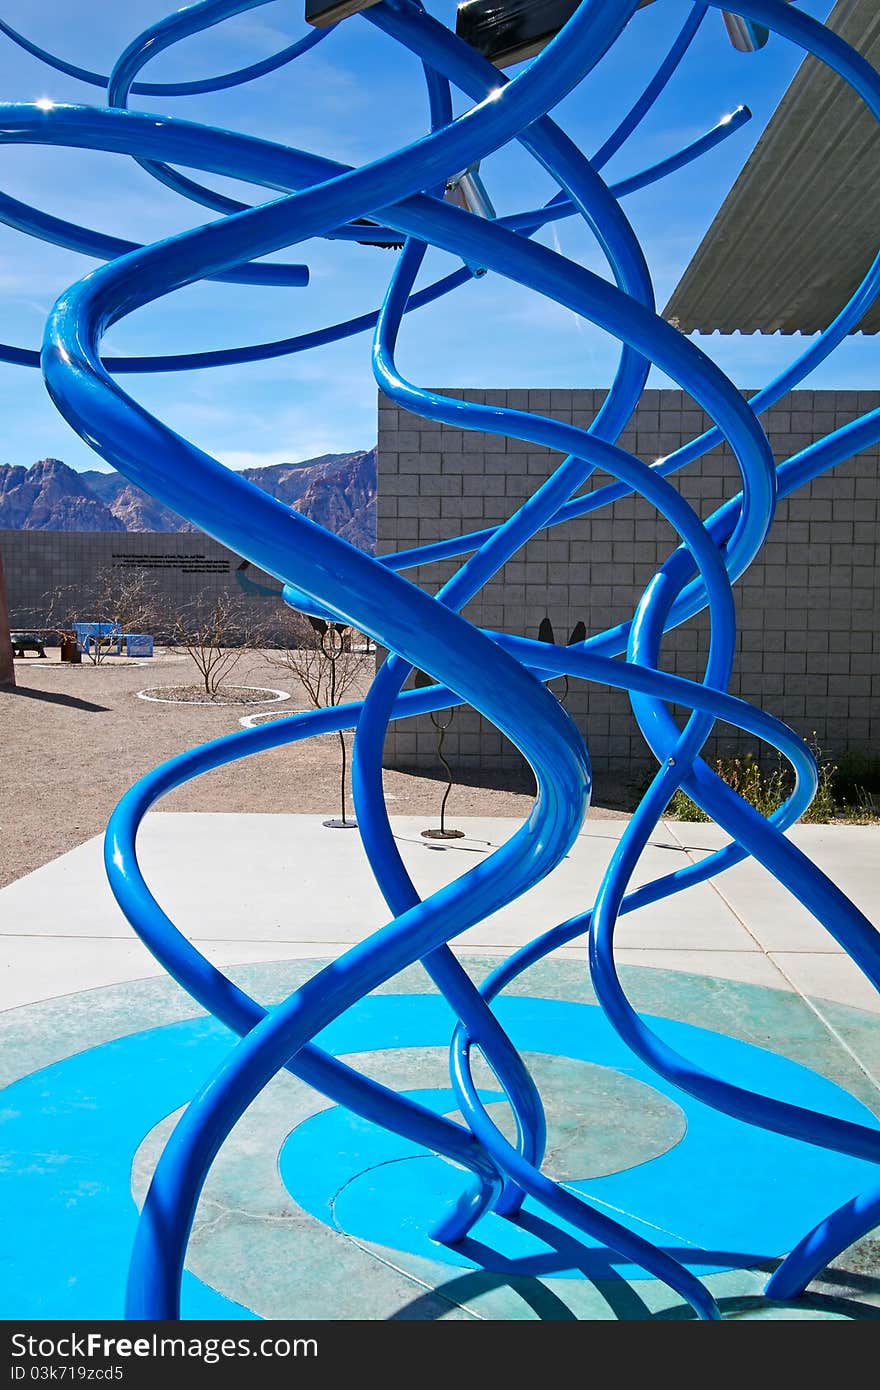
(237, 459)
(306, 448)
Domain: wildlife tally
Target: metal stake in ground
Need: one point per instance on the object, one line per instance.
(333, 639)
(441, 724)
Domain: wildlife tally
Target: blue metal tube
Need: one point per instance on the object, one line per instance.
(557, 811)
(75, 237)
(823, 1244)
(531, 516)
(179, 1186)
(259, 352)
(784, 860)
(506, 540)
(503, 677)
(388, 869)
(407, 23)
(360, 623)
(781, 1117)
(379, 845)
(820, 895)
(658, 84)
(99, 244)
(172, 89)
(233, 1006)
(712, 567)
(562, 206)
(840, 917)
(479, 78)
(160, 36)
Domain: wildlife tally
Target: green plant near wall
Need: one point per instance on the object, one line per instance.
(848, 790)
(764, 789)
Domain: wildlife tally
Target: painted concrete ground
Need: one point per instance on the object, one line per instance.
(312, 1213)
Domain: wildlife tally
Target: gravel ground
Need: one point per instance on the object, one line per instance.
(74, 738)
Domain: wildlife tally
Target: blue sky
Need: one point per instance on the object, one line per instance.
(354, 97)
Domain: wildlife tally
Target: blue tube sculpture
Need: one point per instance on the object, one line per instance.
(399, 199)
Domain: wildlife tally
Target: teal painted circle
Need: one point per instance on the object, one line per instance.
(726, 1196)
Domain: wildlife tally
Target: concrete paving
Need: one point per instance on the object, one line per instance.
(261, 887)
(271, 898)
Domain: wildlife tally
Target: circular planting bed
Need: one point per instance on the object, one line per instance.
(264, 716)
(226, 695)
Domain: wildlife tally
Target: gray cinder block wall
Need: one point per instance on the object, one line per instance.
(51, 575)
(808, 647)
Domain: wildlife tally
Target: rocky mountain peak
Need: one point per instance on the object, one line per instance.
(49, 496)
(336, 490)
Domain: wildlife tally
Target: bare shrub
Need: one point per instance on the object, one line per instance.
(216, 632)
(118, 594)
(328, 660)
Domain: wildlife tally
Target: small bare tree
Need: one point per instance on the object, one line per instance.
(216, 632)
(119, 594)
(328, 660)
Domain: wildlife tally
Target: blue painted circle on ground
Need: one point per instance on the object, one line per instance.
(726, 1196)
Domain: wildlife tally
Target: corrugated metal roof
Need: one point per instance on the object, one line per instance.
(801, 225)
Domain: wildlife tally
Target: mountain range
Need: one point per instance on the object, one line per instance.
(336, 490)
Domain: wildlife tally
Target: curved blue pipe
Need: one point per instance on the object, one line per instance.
(654, 89)
(179, 1177)
(75, 237)
(502, 675)
(840, 917)
(408, 23)
(172, 89)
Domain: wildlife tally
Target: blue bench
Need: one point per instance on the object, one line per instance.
(99, 633)
(110, 635)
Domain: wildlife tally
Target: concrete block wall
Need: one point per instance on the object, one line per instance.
(808, 647)
(181, 568)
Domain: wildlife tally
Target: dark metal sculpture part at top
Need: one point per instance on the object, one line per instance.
(578, 635)
(509, 31)
(402, 197)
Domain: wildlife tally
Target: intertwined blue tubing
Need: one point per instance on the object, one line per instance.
(504, 676)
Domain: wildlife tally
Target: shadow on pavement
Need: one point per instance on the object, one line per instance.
(54, 697)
